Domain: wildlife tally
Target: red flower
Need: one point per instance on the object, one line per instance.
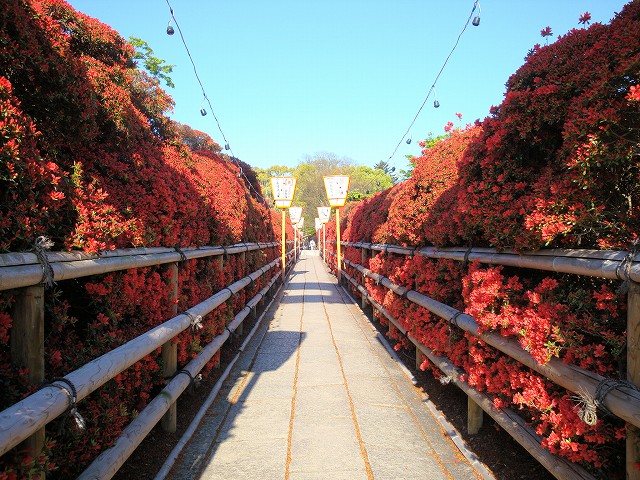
(585, 18)
(634, 94)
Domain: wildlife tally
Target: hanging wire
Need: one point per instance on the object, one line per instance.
(203, 112)
(436, 104)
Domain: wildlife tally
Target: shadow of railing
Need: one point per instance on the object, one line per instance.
(262, 393)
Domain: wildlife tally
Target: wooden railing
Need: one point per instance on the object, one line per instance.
(27, 273)
(622, 400)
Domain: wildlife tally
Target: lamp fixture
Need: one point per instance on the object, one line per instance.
(476, 20)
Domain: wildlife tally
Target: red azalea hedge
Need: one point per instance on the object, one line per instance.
(89, 159)
(555, 165)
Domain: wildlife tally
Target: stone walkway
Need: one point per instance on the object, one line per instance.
(316, 395)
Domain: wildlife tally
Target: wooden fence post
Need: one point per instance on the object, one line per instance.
(633, 375)
(364, 261)
(27, 347)
(475, 416)
(221, 262)
(170, 351)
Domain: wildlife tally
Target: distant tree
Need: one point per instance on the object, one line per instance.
(310, 192)
(152, 64)
(388, 169)
(264, 177)
(195, 139)
(408, 173)
(366, 181)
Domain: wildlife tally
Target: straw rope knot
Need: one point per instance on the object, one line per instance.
(194, 382)
(588, 404)
(623, 270)
(70, 390)
(40, 247)
(587, 407)
(233, 294)
(183, 257)
(605, 387)
(465, 260)
(195, 322)
(454, 320)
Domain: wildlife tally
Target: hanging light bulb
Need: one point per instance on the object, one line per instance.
(476, 20)
(203, 112)
(227, 147)
(409, 139)
(170, 30)
(436, 104)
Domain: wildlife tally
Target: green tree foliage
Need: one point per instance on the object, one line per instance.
(366, 181)
(152, 64)
(310, 192)
(264, 177)
(388, 169)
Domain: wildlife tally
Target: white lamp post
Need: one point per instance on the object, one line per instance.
(283, 189)
(324, 213)
(337, 187)
(295, 214)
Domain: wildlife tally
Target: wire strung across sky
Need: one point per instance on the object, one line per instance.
(476, 22)
(205, 98)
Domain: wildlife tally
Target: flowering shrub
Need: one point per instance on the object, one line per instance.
(555, 165)
(419, 212)
(89, 159)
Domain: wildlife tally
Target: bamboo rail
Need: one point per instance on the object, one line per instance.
(621, 401)
(507, 419)
(109, 462)
(614, 265)
(24, 269)
(26, 417)
(595, 263)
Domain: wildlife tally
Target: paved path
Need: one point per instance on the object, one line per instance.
(317, 396)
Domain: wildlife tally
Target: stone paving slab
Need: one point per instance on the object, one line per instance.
(316, 395)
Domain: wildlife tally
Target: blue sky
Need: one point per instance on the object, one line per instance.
(291, 78)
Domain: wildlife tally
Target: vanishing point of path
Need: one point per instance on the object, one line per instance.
(316, 395)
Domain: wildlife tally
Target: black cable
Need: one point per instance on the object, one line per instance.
(433, 86)
(227, 146)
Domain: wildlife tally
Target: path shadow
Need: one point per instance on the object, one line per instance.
(264, 378)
